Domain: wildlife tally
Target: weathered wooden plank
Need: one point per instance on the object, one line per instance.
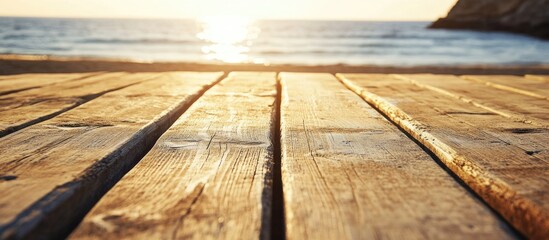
(538, 77)
(53, 172)
(31, 81)
(512, 105)
(6, 77)
(208, 176)
(23, 109)
(521, 85)
(22, 76)
(505, 162)
(348, 173)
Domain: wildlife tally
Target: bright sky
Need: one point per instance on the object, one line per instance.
(260, 9)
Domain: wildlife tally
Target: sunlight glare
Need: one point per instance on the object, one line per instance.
(228, 37)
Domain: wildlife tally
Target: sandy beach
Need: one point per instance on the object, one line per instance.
(18, 64)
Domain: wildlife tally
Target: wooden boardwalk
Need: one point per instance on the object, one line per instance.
(265, 155)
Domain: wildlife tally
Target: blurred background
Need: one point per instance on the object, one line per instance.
(304, 32)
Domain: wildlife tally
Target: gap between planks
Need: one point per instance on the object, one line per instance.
(21, 116)
(41, 217)
(350, 174)
(9, 86)
(277, 127)
(278, 223)
(520, 85)
(518, 107)
(526, 215)
(208, 177)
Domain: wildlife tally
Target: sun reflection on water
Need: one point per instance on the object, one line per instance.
(229, 38)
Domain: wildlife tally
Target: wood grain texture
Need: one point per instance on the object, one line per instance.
(53, 172)
(516, 84)
(348, 173)
(504, 161)
(30, 81)
(509, 104)
(23, 109)
(208, 177)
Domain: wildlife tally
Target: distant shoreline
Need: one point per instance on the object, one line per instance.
(219, 40)
(19, 64)
(195, 19)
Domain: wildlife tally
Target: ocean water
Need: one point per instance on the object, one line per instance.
(238, 40)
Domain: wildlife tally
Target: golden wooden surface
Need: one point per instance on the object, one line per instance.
(30, 81)
(23, 109)
(521, 85)
(350, 174)
(208, 177)
(360, 156)
(66, 162)
(504, 161)
(518, 107)
(538, 77)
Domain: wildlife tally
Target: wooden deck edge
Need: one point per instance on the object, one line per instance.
(49, 217)
(529, 218)
(504, 87)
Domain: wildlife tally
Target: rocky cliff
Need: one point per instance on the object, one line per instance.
(522, 16)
